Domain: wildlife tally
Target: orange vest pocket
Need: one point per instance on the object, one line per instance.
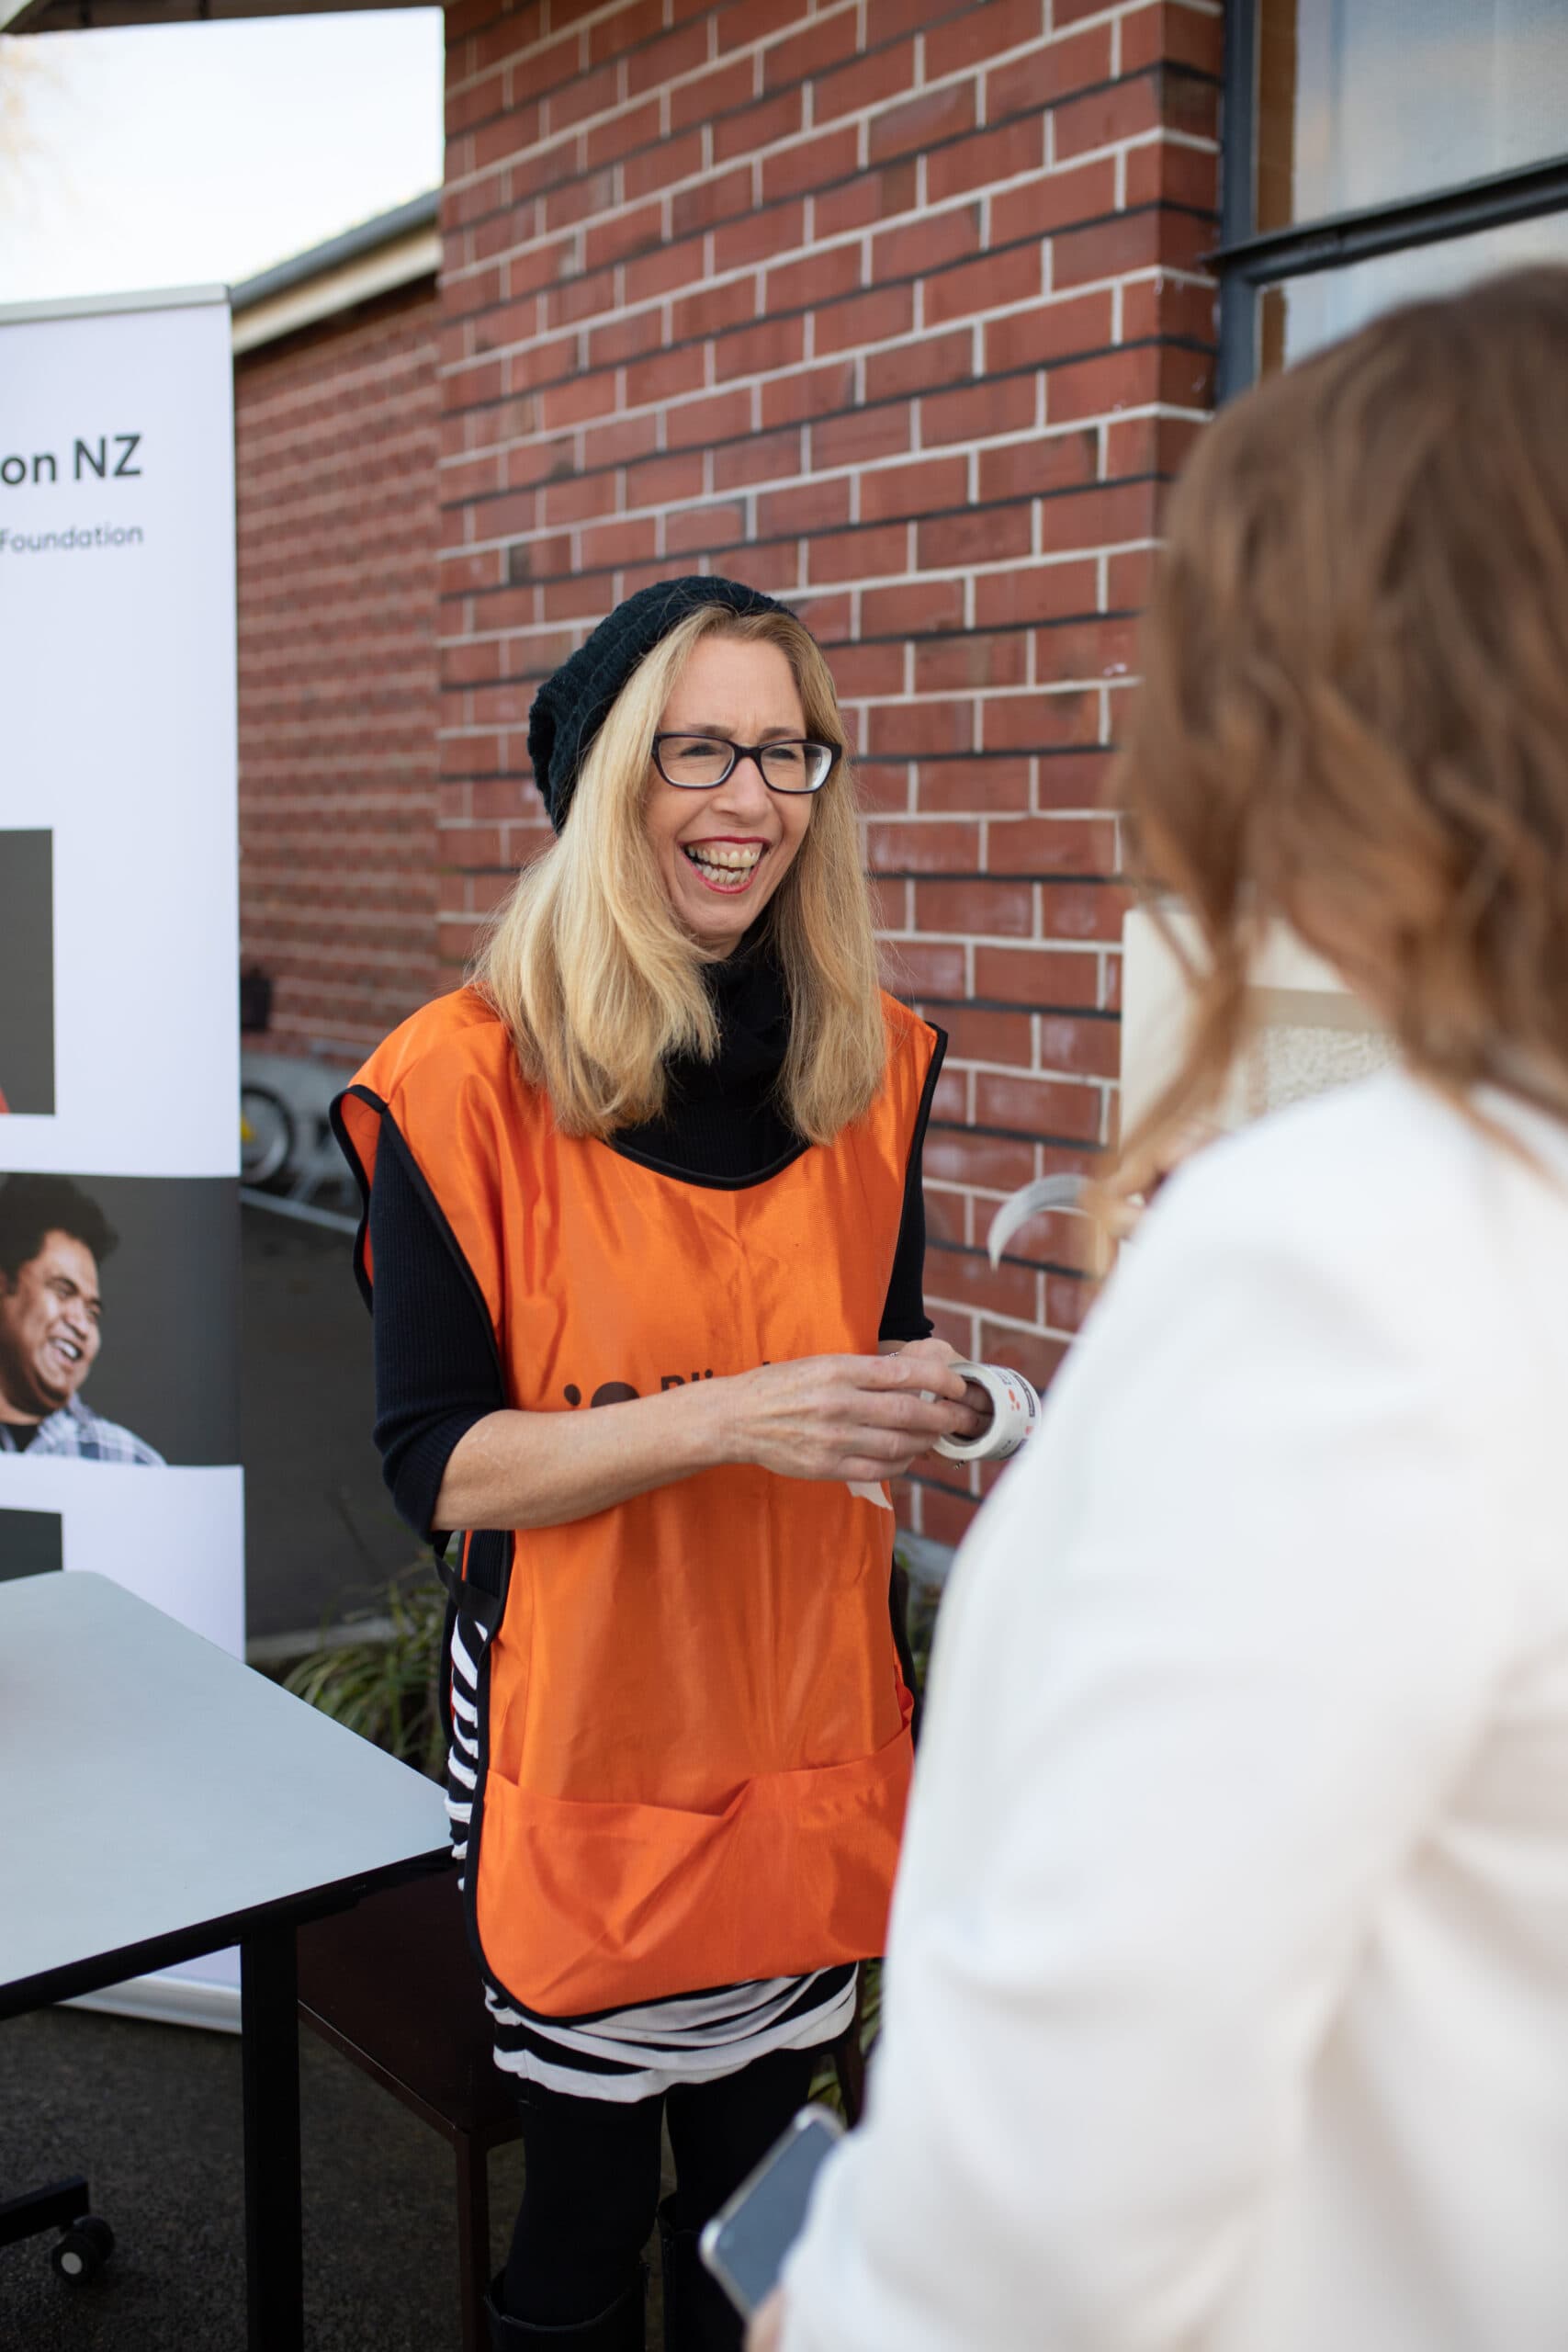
(604, 1905)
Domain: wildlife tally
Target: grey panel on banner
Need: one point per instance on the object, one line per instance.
(27, 971)
(32, 1543)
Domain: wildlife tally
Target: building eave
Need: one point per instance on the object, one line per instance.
(397, 249)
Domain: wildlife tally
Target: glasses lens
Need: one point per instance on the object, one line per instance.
(698, 761)
(796, 767)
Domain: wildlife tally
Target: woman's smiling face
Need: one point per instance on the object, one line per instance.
(722, 853)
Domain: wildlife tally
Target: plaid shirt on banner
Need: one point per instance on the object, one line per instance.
(85, 1436)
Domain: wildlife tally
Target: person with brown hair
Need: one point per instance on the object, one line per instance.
(645, 1234)
(1226, 2000)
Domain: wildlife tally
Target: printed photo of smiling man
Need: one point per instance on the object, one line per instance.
(55, 1238)
(27, 971)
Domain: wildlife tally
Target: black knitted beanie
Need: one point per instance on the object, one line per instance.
(571, 706)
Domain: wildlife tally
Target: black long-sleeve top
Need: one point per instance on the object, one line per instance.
(436, 1368)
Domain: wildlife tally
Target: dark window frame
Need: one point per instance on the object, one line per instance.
(1248, 261)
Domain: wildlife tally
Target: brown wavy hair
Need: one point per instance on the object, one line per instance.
(1354, 709)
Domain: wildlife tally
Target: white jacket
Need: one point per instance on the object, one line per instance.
(1227, 1996)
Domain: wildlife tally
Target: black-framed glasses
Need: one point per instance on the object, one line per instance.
(696, 762)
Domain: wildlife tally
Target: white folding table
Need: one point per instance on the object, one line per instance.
(160, 1800)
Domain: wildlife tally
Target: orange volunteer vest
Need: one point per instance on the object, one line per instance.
(693, 1731)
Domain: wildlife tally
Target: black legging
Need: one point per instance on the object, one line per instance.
(591, 2172)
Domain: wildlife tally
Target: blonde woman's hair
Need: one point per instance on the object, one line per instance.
(593, 974)
(1354, 709)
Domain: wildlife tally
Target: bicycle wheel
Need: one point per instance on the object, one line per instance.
(267, 1135)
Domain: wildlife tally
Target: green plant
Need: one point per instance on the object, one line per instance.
(919, 1621)
(387, 1687)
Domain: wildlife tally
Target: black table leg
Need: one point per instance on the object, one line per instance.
(269, 2020)
(473, 2240)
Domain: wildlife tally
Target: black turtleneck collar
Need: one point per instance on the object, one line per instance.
(720, 1121)
(749, 995)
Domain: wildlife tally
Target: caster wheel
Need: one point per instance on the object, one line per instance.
(84, 2250)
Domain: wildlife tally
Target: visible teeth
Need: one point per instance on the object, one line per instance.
(730, 857)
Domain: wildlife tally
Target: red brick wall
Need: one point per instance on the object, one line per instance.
(896, 308)
(336, 435)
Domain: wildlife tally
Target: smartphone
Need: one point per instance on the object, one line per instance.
(745, 2242)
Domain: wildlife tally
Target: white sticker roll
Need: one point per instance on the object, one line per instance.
(1015, 1411)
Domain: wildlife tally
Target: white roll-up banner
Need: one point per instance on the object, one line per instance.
(119, 952)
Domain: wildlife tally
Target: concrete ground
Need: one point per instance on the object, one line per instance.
(151, 2113)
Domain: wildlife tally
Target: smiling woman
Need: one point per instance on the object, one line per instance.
(748, 688)
(643, 1208)
(597, 964)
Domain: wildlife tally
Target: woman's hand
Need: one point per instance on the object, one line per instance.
(982, 1411)
(861, 1417)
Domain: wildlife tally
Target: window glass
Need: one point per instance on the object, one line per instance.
(1361, 102)
(1299, 314)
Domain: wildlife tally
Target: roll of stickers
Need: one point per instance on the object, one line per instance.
(1015, 1411)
